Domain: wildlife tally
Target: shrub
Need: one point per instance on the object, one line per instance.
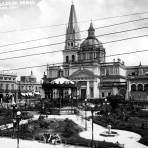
(41, 118)
(44, 124)
(70, 128)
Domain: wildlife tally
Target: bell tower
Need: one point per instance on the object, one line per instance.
(72, 41)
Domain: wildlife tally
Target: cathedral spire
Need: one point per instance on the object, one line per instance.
(72, 31)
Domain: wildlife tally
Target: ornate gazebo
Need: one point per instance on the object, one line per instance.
(60, 92)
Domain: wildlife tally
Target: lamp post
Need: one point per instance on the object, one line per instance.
(85, 115)
(60, 97)
(13, 111)
(43, 108)
(18, 118)
(92, 113)
(106, 104)
(71, 100)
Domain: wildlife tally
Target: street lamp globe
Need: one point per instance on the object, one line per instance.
(18, 113)
(18, 118)
(13, 102)
(14, 120)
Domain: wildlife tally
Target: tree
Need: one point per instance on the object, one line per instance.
(114, 101)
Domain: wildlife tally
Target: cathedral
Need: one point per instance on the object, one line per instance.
(84, 62)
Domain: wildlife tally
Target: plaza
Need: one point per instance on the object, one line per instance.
(84, 100)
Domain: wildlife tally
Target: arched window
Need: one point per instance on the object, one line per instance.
(72, 44)
(73, 58)
(140, 87)
(83, 56)
(146, 87)
(133, 87)
(122, 92)
(7, 86)
(94, 55)
(67, 59)
(12, 86)
(91, 55)
(22, 87)
(68, 43)
(1, 86)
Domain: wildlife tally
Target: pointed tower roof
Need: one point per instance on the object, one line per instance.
(91, 40)
(140, 64)
(91, 28)
(91, 31)
(72, 32)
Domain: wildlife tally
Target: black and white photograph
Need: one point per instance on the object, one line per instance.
(73, 73)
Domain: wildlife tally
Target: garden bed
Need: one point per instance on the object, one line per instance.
(66, 129)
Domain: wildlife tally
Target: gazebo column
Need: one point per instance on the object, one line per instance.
(72, 94)
(69, 92)
(77, 96)
(53, 97)
(62, 96)
(59, 96)
(87, 91)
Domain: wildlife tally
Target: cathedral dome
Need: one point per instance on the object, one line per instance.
(91, 49)
(95, 43)
(91, 40)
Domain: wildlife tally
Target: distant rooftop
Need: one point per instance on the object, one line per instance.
(8, 73)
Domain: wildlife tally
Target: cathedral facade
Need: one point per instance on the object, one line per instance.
(85, 64)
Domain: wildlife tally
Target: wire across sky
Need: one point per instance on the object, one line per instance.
(84, 21)
(55, 36)
(59, 43)
(61, 63)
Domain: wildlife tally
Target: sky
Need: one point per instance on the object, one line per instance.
(15, 24)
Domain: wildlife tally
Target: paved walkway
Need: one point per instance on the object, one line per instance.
(129, 139)
(12, 143)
